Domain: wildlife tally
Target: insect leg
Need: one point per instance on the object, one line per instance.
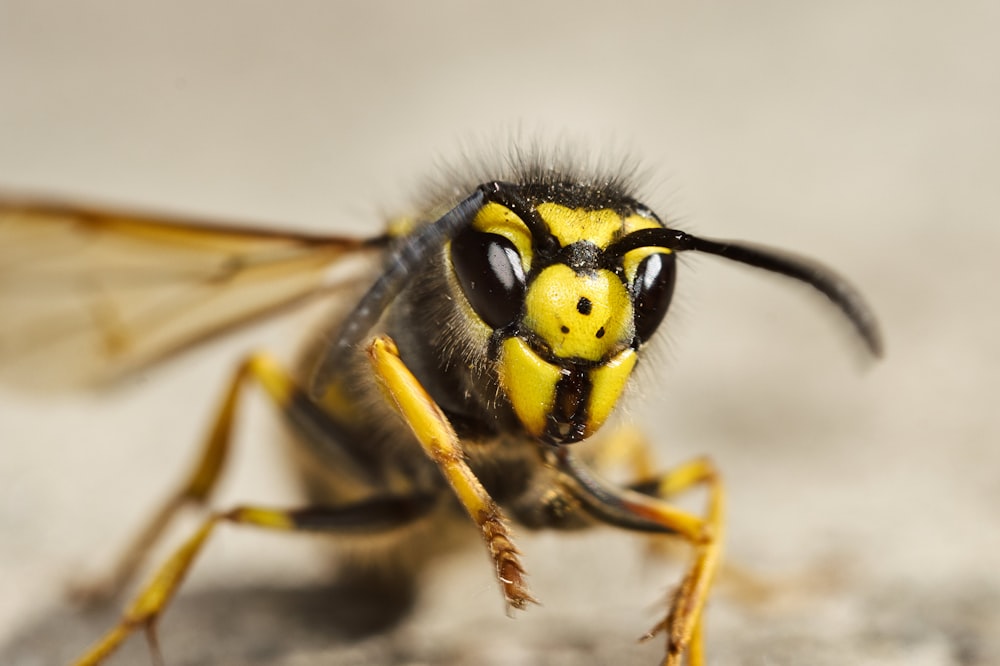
(682, 623)
(440, 442)
(627, 447)
(644, 509)
(380, 514)
(202, 479)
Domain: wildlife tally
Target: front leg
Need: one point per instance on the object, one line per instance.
(636, 510)
(438, 439)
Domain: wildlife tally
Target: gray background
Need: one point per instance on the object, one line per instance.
(865, 500)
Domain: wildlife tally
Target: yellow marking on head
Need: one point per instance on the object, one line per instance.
(570, 225)
(579, 316)
(607, 383)
(494, 218)
(632, 259)
(636, 222)
(529, 382)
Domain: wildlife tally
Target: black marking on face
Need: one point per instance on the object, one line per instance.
(568, 419)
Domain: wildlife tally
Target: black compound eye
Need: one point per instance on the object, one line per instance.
(651, 292)
(489, 269)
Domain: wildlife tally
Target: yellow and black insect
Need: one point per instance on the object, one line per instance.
(496, 330)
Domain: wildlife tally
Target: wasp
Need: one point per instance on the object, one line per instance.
(488, 336)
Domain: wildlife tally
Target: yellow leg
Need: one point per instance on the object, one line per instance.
(642, 506)
(683, 622)
(627, 447)
(431, 428)
(202, 479)
(380, 514)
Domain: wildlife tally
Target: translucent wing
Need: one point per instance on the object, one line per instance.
(87, 295)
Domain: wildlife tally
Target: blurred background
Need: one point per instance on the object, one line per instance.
(863, 518)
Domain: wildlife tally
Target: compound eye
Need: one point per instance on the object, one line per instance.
(489, 269)
(652, 290)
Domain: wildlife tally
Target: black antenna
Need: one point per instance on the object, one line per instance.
(400, 266)
(841, 293)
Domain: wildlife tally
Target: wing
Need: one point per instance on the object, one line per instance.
(87, 295)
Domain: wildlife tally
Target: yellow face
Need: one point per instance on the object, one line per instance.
(566, 317)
